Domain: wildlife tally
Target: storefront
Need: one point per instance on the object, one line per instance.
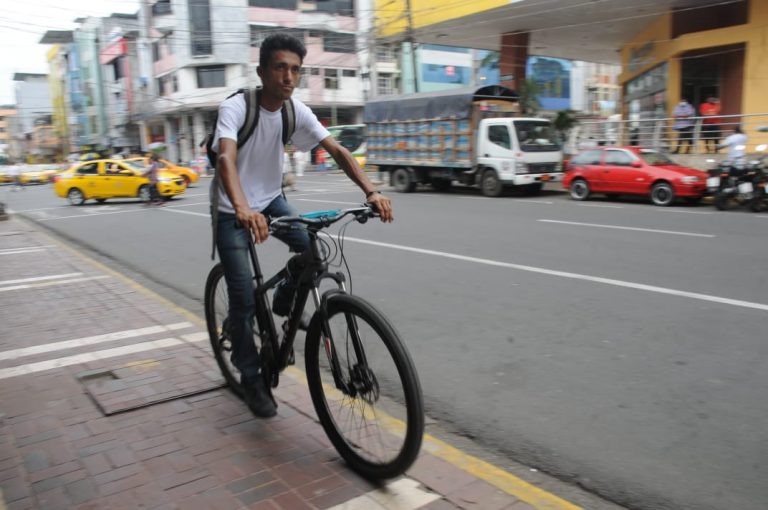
(694, 54)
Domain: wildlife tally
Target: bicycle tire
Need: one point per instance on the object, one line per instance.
(393, 372)
(216, 312)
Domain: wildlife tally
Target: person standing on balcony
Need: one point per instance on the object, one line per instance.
(683, 114)
(710, 126)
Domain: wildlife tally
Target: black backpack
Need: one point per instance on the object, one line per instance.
(251, 121)
(243, 134)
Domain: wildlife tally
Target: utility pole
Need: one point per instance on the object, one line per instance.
(412, 44)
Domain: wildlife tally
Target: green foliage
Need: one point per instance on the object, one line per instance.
(529, 97)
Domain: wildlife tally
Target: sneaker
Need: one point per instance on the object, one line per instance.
(257, 398)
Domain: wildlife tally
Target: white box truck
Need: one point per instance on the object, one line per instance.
(471, 137)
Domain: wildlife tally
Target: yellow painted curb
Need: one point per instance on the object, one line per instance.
(502, 480)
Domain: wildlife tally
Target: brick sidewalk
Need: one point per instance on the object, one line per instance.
(110, 398)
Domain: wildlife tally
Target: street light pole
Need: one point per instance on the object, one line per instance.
(409, 38)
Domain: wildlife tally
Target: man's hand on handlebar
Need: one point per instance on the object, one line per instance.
(382, 205)
(255, 222)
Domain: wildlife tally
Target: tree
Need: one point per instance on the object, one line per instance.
(564, 121)
(529, 97)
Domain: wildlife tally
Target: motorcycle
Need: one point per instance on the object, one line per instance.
(739, 183)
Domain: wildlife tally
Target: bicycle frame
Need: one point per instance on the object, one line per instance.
(315, 269)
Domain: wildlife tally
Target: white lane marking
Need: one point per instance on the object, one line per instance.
(39, 278)
(534, 202)
(187, 205)
(575, 276)
(636, 229)
(25, 248)
(91, 340)
(17, 252)
(667, 209)
(602, 206)
(41, 366)
(403, 494)
(192, 213)
(52, 283)
(328, 201)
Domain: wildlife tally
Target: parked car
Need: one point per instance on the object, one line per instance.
(190, 176)
(102, 179)
(616, 171)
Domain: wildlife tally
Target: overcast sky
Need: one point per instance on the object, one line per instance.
(23, 23)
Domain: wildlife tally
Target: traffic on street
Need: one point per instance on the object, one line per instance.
(618, 346)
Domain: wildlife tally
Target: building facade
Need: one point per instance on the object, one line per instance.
(200, 51)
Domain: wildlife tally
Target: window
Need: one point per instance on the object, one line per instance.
(337, 42)
(211, 76)
(161, 7)
(499, 135)
(348, 73)
(160, 86)
(200, 27)
(314, 71)
(618, 158)
(155, 51)
(384, 54)
(175, 82)
(117, 66)
(536, 136)
(332, 79)
(260, 32)
(342, 7)
(89, 169)
(386, 85)
(274, 4)
(587, 158)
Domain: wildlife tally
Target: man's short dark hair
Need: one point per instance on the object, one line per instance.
(280, 42)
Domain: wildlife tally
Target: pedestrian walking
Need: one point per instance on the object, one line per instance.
(152, 175)
(684, 123)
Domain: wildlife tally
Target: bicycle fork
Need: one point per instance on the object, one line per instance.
(361, 379)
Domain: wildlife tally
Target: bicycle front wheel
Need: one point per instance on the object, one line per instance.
(216, 318)
(364, 388)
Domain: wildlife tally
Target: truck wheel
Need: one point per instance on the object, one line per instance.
(403, 181)
(441, 184)
(492, 186)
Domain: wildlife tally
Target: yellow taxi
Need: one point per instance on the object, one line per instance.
(189, 175)
(37, 174)
(112, 178)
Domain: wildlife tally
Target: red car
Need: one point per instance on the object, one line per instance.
(633, 171)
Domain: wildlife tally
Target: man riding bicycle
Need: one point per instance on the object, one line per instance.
(250, 192)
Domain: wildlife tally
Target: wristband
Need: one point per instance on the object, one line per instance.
(368, 195)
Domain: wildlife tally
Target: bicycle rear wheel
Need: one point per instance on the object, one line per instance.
(364, 388)
(216, 313)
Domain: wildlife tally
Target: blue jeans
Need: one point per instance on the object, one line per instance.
(232, 245)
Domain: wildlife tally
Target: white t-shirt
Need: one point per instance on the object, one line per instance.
(260, 160)
(736, 144)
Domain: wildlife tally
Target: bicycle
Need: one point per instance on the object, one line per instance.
(353, 355)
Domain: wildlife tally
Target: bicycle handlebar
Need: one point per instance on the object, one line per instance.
(322, 219)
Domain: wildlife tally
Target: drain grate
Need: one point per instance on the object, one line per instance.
(147, 382)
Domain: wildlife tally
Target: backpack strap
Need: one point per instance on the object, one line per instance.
(251, 97)
(289, 120)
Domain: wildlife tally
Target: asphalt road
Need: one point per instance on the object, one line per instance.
(617, 345)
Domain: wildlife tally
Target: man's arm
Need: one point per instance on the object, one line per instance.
(348, 163)
(226, 165)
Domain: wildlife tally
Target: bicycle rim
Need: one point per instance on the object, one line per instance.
(377, 426)
(216, 312)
